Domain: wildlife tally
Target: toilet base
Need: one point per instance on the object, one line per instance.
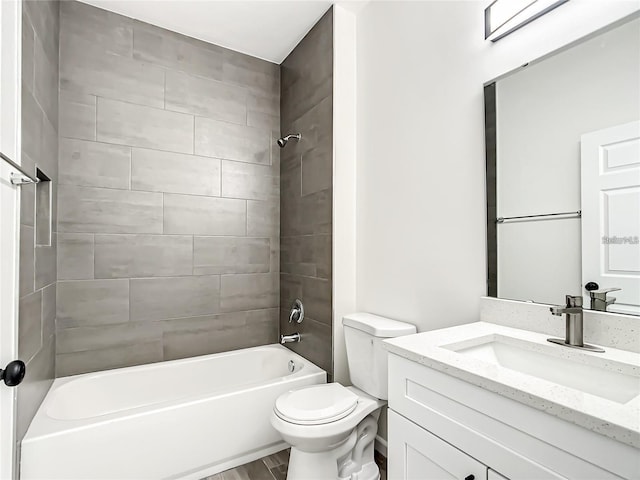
(351, 460)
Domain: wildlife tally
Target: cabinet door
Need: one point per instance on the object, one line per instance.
(415, 454)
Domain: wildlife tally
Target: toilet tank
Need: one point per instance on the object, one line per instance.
(368, 364)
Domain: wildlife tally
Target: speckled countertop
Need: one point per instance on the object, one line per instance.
(437, 350)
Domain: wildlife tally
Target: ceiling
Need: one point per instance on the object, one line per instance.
(265, 29)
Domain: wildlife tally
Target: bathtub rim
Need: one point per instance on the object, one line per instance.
(44, 426)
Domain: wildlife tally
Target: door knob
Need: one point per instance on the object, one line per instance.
(470, 477)
(13, 373)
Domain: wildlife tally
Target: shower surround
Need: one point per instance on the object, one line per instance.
(307, 192)
(169, 175)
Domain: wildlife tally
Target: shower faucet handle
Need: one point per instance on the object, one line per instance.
(297, 312)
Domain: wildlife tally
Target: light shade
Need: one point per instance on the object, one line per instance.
(505, 16)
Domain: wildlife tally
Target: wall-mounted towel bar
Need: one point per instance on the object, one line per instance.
(21, 178)
(562, 214)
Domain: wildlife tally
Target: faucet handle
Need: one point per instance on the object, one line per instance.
(573, 301)
(603, 292)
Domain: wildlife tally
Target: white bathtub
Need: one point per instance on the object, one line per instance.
(181, 419)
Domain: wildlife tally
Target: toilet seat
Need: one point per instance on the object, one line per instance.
(316, 405)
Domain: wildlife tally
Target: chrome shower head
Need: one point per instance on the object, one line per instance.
(283, 140)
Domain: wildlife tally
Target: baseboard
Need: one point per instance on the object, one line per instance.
(381, 445)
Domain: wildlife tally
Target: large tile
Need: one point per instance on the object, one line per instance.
(317, 170)
(140, 126)
(253, 182)
(101, 210)
(48, 311)
(188, 337)
(88, 72)
(213, 255)
(27, 260)
(174, 297)
(81, 339)
(45, 18)
(46, 265)
(232, 142)
(30, 325)
(77, 117)
(194, 215)
(45, 85)
(28, 194)
(308, 255)
(105, 359)
(316, 296)
(86, 26)
(123, 256)
(263, 218)
(172, 50)
(92, 164)
(35, 385)
(251, 72)
(248, 292)
(32, 127)
(92, 302)
(208, 98)
(157, 171)
(28, 52)
(75, 256)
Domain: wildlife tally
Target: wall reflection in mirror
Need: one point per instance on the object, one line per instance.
(563, 158)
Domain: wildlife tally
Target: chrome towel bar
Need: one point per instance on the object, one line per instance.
(21, 178)
(504, 219)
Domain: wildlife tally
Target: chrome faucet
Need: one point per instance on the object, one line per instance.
(599, 300)
(294, 337)
(574, 322)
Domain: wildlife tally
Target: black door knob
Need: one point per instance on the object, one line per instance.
(591, 286)
(470, 477)
(13, 373)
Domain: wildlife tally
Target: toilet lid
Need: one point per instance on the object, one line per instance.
(316, 404)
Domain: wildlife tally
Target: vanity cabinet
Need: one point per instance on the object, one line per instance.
(443, 427)
(421, 455)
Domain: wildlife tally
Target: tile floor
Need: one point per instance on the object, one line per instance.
(274, 467)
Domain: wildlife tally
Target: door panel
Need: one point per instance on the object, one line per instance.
(611, 213)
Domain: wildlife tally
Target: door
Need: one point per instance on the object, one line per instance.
(10, 65)
(415, 454)
(611, 214)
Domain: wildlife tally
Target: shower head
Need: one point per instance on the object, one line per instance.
(283, 140)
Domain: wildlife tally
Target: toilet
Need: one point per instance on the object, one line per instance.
(332, 428)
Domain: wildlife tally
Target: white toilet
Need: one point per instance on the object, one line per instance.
(331, 428)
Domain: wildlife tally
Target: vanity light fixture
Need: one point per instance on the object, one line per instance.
(503, 17)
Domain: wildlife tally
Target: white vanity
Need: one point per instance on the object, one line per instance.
(486, 401)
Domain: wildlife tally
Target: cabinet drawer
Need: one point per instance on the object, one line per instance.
(415, 454)
(530, 444)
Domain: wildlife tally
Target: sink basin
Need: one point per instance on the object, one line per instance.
(577, 370)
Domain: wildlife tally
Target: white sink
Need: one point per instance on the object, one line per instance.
(585, 372)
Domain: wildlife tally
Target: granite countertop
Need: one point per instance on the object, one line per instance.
(436, 349)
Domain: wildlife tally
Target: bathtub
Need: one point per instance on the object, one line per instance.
(180, 419)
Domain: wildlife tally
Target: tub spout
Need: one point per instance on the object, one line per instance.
(294, 337)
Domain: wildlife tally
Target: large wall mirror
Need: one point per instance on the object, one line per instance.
(563, 175)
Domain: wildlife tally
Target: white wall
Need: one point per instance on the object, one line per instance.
(420, 199)
(420, 181)
(542, 111)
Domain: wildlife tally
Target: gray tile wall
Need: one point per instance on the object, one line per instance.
(37, 305)
(169, 195)
(306, 201)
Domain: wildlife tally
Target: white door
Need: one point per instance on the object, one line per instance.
(415, 454)
(611, 213)
(10, 34)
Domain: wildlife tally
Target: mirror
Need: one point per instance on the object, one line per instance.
(563, 175)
